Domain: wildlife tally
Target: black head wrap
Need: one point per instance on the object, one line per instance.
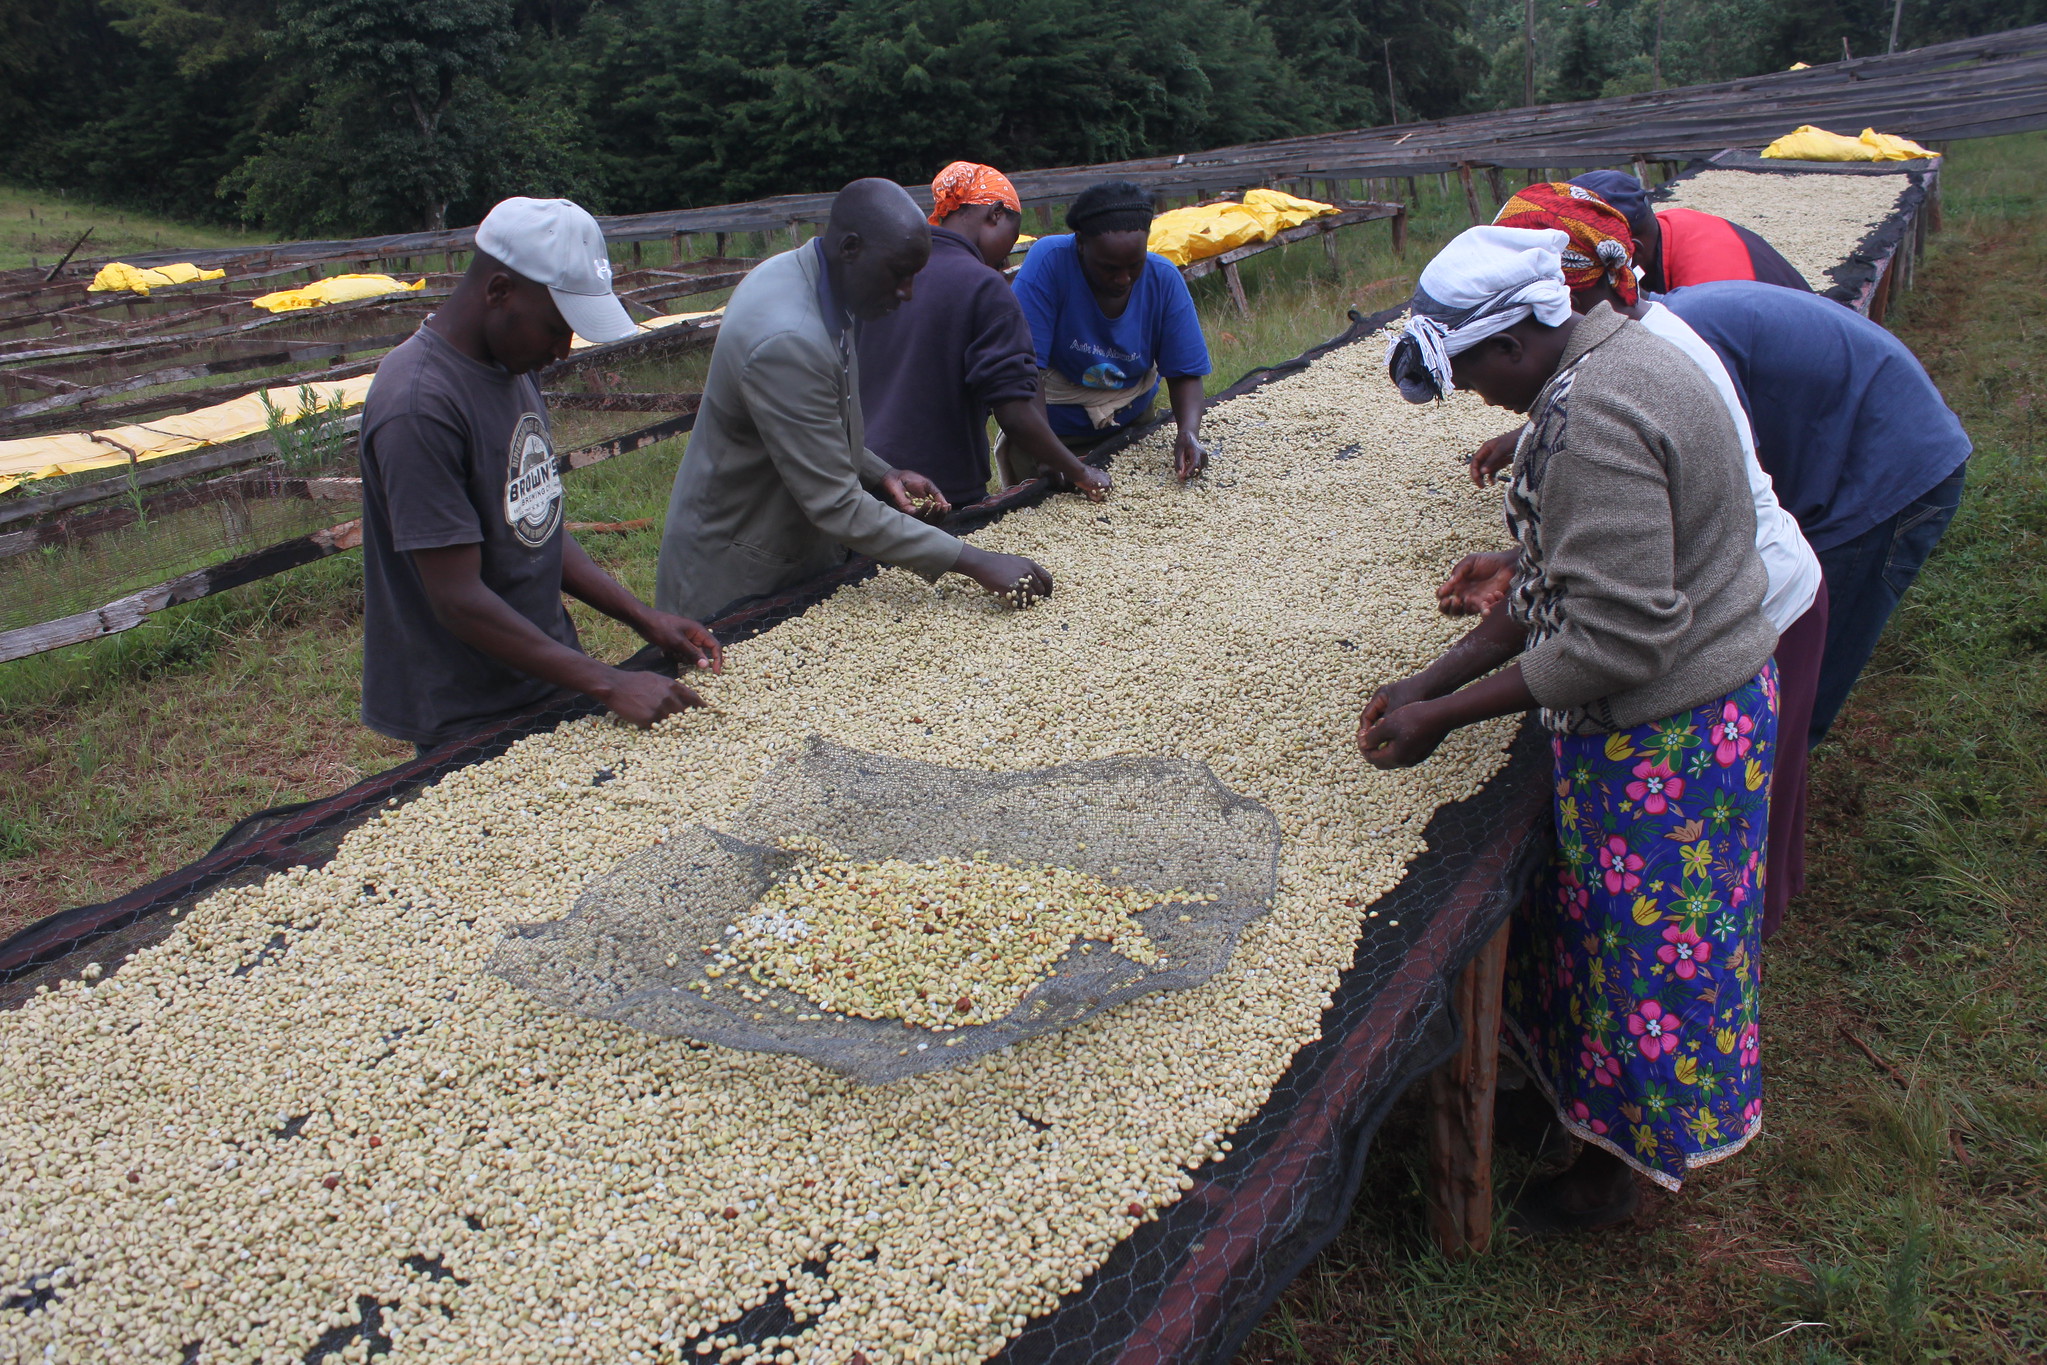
(1111, 206)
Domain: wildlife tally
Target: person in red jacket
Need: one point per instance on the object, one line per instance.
(1676, 247)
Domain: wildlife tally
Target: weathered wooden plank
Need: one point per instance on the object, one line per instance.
(126, 613)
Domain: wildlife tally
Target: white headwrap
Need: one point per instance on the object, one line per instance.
(1487, 280)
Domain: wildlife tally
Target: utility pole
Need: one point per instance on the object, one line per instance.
(1897, 13)
(1392, 107)
(1528, 52)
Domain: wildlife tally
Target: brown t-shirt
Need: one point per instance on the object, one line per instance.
(454, 452)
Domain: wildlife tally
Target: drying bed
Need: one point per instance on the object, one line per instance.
(1839, 226)
(304, 1120)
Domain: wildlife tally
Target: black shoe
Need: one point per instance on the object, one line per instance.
(1540, 1212)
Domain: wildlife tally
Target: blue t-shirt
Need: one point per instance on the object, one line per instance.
(1074, 336)
(1848, 425)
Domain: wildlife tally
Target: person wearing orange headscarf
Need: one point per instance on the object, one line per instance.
(959, 350)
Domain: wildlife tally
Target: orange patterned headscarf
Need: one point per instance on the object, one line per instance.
(966, 182)
(1602, 249)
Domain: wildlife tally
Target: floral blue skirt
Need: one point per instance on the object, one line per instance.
(1633, 971)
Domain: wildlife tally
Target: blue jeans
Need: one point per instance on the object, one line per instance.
(1866, 577)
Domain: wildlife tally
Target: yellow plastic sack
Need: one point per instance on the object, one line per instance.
(1279, 211)
(116, 275)
(72, 452)
(1184, 236)
(335, 289)
(1808, 143)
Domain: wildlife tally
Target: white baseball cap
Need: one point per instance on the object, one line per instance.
(557, 243)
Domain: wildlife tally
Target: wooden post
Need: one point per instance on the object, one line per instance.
(674, 248)
(1414, 193)
(795, 235)
(1461, 1110)
(721, 243)
(1642, 169)
(1880, 297)
(1399, 221)
(1329, 250)
(1236, 283)
(1470, 193)
(1496, 183)
(637, 261)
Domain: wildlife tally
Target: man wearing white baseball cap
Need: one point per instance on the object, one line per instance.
(465, 559)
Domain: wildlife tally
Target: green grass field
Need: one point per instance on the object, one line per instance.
(37, 228)
(1896, 1209)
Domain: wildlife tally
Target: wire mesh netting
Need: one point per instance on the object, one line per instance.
(1183, 1287)
(630, 950)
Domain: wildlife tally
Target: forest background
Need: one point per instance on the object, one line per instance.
(348, 117)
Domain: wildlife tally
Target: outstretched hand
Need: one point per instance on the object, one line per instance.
(1190, 457)
(683, 640)
(643, 698)
(1477, 583)
(1004, 575)
(1091, 483)
(915, 495)
(1401, 737)
(1492, 457)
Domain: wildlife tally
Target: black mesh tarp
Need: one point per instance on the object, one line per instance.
(1184, 1287)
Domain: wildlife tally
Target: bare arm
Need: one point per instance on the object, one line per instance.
(680, 638)
(1189, 457)
(470, 611)
(1406, 720)
(1024, 422)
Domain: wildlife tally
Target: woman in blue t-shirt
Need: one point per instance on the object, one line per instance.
(1110, 320)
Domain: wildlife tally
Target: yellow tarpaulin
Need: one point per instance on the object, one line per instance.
(1817, 144)
(115, 275)
(335, 289)
(1184, 236)
(72, 452)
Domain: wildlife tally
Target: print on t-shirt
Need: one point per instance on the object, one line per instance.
(533, 486)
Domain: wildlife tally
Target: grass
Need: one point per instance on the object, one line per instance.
(37, 228)
(1893, 1211)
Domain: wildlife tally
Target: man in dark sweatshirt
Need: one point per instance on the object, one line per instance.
(960, 349)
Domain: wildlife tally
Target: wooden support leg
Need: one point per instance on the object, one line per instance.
(1496, 183)
(1880, 297)
(1642, 170)
(1461, 1111)
(1329, 250)
(1470, 193)
(1236, 284)
(1399, 221)
(1414, 194)
(721, 242)
(795, 234)
(674, 249)
(638, 257)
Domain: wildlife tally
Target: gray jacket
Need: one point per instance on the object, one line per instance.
(1639, 579)
(774, 486)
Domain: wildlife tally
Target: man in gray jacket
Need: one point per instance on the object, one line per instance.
(778, 483)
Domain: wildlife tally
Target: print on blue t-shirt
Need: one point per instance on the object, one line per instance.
(1072, 335)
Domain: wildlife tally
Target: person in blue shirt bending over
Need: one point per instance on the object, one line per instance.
(1110, 320)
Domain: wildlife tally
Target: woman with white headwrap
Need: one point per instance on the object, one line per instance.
(1635, 625)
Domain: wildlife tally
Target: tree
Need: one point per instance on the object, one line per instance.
(400, 113)
(700, 101)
